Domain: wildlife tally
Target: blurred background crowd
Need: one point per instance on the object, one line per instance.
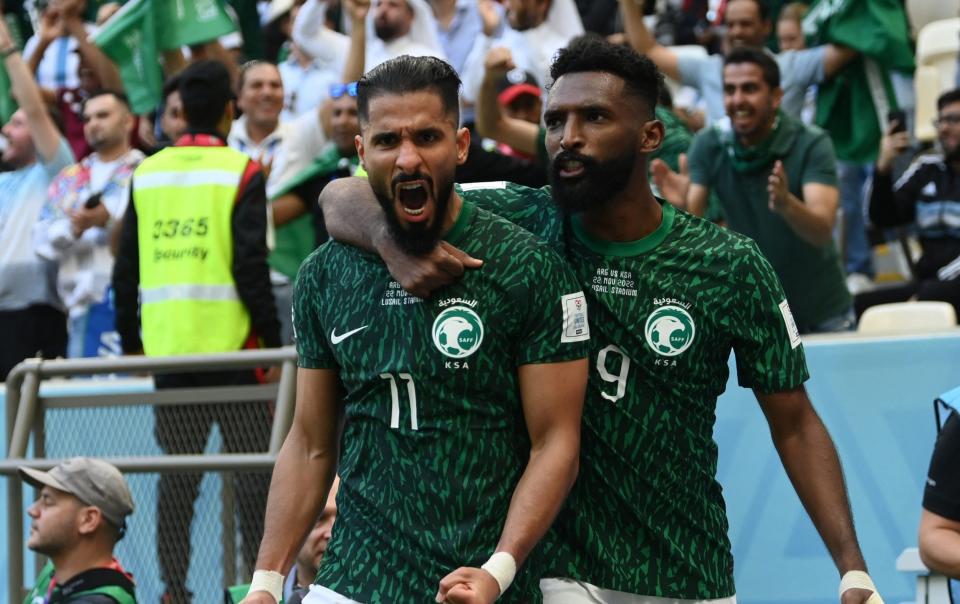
(98, 89)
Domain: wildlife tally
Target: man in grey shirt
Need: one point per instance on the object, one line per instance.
(747, 24)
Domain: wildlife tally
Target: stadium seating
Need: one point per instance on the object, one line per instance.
(931, 587)
(922, 12)
(907, 317)
(937, 46)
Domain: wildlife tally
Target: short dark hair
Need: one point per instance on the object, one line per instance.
(760, 58)
(116, 94)
(406, 74)
(591, 52)
(204, 92)
(762, 8)
(947, 98)
(171, 85)
(246, 67)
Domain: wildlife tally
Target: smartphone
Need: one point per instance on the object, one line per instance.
(900, 117)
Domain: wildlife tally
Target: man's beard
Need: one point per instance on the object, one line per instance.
(415, 238)
(951, 155)
(385, 31)
(601, 181)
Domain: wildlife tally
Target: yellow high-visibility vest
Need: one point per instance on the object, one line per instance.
(184, 198)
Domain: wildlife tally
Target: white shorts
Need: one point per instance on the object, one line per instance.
(319, 594)
(568, 591)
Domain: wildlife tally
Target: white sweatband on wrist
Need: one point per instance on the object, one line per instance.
(858, 579)
(269, 581)
(503, 567)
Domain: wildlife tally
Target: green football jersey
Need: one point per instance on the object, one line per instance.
(646, 515)
(435, 439)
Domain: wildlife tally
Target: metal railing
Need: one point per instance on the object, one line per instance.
(25, 407)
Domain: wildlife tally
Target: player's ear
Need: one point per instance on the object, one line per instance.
(358, 141)
(463, 145)
(651, 136)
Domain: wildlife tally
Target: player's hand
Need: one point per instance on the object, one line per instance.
(468, 586)
(860, 596)
(258, 597)
(421, 275)
(489, 16)
(498, 62)
(777, 189)
(672, 185)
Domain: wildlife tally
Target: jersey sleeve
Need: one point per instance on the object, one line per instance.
(555, 326)
(313, 349)
(821, 166)
(767, 345)
(691, 69)
(802, 68)
(531, 209)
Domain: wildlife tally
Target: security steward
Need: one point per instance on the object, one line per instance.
(191, 277)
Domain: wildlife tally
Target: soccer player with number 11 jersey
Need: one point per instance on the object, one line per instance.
(461, 414)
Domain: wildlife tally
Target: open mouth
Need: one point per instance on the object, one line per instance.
(413, 197)
(571, 168)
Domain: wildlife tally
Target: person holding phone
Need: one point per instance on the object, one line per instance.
(83, 203)
(927, 196)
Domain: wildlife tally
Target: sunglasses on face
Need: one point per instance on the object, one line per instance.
(338, 90)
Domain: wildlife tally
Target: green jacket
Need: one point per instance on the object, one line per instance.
(89, 587)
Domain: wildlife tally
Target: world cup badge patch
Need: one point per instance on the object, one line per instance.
(576, 327)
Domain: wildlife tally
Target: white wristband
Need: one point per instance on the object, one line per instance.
(269, 581)
(858, 579)
(503, 567)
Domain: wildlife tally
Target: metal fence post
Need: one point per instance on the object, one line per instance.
(24, 415)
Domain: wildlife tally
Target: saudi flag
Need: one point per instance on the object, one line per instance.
(853, 105)
(186, 22)
(129, 39)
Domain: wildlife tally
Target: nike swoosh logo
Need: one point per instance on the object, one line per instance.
(335, 339)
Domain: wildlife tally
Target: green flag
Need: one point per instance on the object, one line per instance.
(8, 106)
(186, 22)
(129, 39)
(853, 105)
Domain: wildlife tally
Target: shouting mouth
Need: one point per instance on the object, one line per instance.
(413, 197)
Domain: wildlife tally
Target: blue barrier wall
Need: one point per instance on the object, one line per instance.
(875, 396)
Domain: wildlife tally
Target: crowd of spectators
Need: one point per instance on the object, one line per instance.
(292, 65)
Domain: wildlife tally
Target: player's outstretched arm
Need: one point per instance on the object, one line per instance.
(552, 395)
(353, 216)
(305, 469)
(811, 462)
